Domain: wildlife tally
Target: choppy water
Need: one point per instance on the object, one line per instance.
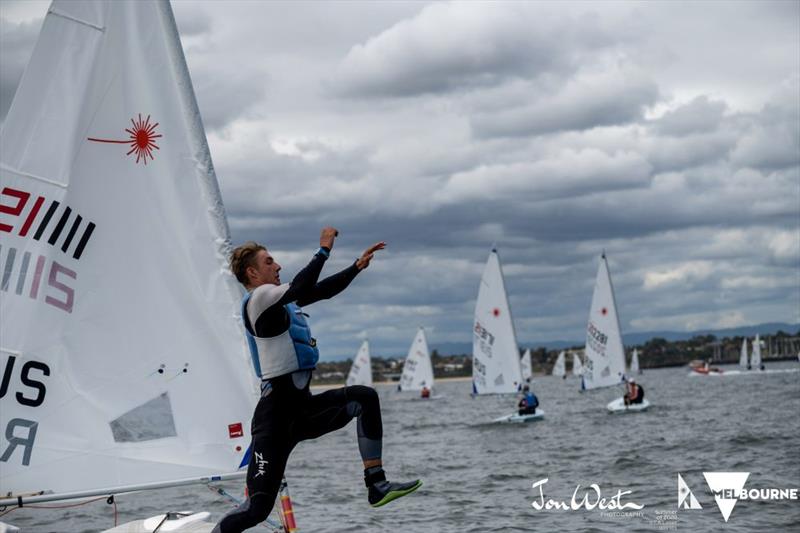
(477, 475)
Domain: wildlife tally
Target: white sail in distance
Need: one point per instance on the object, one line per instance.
(635, 362)
(495, 356)
(577, 366)
(120, 335)
(526, 366)
(361, 370)
(605, 354)
(755, 355)
(560, 369)
(417, 369)
(743, 355)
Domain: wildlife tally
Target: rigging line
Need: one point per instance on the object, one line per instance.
(34, 506)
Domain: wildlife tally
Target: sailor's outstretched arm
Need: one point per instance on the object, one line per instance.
(333, 285)
(304, 281)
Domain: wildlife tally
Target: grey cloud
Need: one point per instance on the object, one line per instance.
(225, 92)
(191, 19)
(698, 116)
(585, 102)
(461, 45)
(772, 140)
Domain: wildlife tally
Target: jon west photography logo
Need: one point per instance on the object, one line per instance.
(728, 489)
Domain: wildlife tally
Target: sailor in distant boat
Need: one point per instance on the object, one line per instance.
(284, 354)
(634, 394)
(425, 392)
(529, 402)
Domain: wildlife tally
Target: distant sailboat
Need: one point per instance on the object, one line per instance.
(577, 366)
(119, 314)
(635, 363)
(417, 369)
(361, 370)
(605, 354)
(560, 369)
(755, 356)
(496, 366)
(743, 363)
(527, 367)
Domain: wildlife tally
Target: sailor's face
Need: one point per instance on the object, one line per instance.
(267, 269)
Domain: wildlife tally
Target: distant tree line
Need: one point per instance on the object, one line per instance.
(655, 353)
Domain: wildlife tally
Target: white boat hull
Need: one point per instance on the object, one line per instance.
(191, 523)
(516, 418)
(618, 406)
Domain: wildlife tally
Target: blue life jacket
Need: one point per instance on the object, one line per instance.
(294, 349)
(531, 400)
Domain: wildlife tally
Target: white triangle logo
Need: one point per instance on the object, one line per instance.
(686, 499)
(726, 481)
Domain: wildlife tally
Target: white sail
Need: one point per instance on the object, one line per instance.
(417, 369)
(635, 362)
(560, 369)
(755, 356)
(495, 357)
(120, 343)
(743, 354)
(605, 355)
(527, 368)
(577, 366)
(361, 370)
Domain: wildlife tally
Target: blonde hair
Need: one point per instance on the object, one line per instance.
(242, 257)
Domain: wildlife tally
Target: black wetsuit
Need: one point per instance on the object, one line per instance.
(288, 413)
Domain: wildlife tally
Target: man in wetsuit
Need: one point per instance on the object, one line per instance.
(635, 393)
(284, 354)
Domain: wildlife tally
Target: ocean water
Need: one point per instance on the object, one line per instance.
(478, 476)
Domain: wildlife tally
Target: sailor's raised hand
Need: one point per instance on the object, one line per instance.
(363, 261)
(327, 236)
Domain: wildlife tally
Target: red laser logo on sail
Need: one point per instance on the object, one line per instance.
(141, 139)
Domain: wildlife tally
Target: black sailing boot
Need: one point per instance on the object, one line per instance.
(381, 491)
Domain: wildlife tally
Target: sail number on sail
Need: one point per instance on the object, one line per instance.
(29, 390)
(35, 223)
(596, 339)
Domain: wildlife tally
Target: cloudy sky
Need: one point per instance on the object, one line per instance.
(666, 133)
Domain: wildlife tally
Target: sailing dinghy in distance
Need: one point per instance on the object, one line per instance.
(605, 354)
(496, 365)
(560, 369)
(417, 369)
(361, 370)
(527, 367)
(635, 363)
(577, 366)
(120, 334)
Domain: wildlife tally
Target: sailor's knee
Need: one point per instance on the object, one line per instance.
(363, 394)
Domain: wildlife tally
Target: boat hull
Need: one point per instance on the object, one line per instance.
(516, 418)
(618, 406)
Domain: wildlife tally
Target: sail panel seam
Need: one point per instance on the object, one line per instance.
(8, 168)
